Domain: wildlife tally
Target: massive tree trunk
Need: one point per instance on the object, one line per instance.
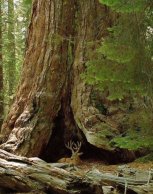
(52, 104)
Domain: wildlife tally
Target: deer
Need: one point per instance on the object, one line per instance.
(75, 157)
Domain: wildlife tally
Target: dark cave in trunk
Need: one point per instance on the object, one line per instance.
(56, 149)
(109, 157)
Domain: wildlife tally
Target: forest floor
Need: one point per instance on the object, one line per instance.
(87, 165)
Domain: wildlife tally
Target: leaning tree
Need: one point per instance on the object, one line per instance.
(53, 103)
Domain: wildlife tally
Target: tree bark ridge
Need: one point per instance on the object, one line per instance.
(38, 99)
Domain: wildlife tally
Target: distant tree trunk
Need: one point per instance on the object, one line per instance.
(1, 69)
(52, 104)
(27, 11)
(11, 47)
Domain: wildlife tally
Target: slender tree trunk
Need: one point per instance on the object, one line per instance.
(11, 47)
(53, 102)
(1, 69)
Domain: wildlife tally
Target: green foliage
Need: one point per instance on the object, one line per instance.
(27, 2)
(147, 158)
(133, 141)
(16, 27)
(26, 8)
(116, 52)
(123, 62)
(123, 66)
(125, 6)
(118, 78)
(139, 134)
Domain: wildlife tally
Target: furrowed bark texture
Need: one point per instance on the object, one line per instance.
(93, 22)
(61, 37)
(37, 103)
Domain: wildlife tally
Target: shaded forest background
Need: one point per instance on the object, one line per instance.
(14, 18)
(119, 69)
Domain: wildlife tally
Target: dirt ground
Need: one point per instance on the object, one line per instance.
(91, 164)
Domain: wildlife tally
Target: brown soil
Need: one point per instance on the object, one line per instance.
(88, 165)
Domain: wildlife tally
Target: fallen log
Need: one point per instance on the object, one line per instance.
(124, 183)
(21, 174)
(33, 175)
(98, 176)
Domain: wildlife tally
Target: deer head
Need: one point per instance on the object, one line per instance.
(75, 148)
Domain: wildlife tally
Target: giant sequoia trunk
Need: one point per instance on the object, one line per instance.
(52, 104)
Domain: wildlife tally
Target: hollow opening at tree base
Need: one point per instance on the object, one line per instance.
(56, 148)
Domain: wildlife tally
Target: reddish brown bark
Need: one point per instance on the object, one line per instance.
(53, 102)
(37, 102)
(93, 22)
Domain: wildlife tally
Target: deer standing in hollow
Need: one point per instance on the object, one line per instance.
(75, 157)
